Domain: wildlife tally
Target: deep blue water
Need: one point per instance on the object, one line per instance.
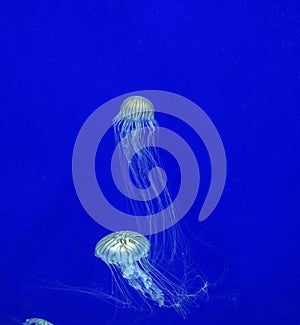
(239, 61)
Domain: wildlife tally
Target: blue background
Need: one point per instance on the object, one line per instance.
(238, 60)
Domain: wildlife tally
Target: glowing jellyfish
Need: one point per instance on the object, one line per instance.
(37, 321)
(134, 129)
(126, 253)
(144, 181)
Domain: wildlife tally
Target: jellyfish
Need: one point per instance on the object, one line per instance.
(36, 321)
(142, 172)
(127, 253)
(134, 130)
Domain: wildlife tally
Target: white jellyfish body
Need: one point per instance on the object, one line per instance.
(134, 129)
(129, 251)
(144, 181)
(126, 253)
(36, 321)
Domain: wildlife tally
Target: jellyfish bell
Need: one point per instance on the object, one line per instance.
(122, 247)
(136, 110)
(36, 321)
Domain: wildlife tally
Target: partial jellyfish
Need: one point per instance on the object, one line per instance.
(37, 321)
(126, 253)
